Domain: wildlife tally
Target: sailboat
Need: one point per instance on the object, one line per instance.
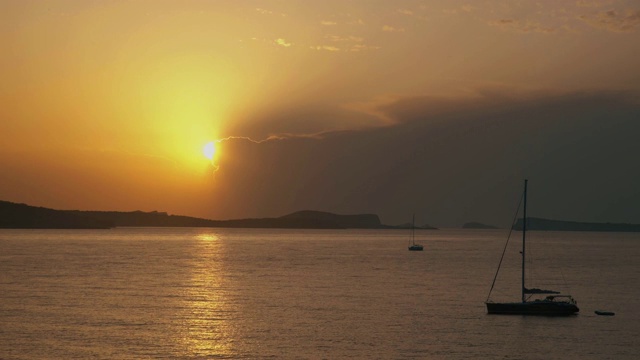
(414, 246)
(554, 304)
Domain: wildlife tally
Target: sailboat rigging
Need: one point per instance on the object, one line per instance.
(413, 246)
(554, 304)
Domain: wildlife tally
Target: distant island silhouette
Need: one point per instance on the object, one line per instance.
(22, 216)
(541, 224)
(477, 225)
(557, 225)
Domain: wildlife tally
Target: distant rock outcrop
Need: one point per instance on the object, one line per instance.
(477, 225)
(558, 225)
(22, 216)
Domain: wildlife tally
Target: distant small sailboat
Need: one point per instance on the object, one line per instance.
(413, 246)
(553, 304)
(604, 313)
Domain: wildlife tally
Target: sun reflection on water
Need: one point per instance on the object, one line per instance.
(208, 237)
(206, 327)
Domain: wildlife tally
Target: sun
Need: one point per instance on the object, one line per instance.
(209, 150)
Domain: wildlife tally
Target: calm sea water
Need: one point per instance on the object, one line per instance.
(149, 293)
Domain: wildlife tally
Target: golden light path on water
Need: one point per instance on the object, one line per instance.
(206, 330)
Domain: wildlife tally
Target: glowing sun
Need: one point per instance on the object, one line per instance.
(209, 150)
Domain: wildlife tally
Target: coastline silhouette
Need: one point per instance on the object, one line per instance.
(23, 216)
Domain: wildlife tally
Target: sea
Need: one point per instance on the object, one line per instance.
(212, 293)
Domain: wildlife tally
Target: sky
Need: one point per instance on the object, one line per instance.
(433, 108)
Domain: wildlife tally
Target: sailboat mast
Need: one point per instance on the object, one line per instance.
(524, 231)
(413, 229)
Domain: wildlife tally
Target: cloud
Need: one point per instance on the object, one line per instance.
(462, 9)
(451, 159)
(614, 21)
(389, 28)
(268, 12)
(362, 47)
(593, 3)
(325, 48)
(526, 26)
(328, 23)
(338, 38)
(263, 11)
(306, 119)
(282, 42)
(270, 42)
(346, 44)
(467, 8)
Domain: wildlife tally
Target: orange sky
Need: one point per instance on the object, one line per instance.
(106, 105)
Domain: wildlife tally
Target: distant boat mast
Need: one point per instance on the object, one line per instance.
(524, 231)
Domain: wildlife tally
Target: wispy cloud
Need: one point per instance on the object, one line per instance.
(526, 26)
(270, 138)
(283, 42)
(462, 9)
(328, 23)
(376, 108)
(338, 38)
(325, 48)
(593, 3)
(363, 47)
(613, 20)
(345, 43)
(389, 28)
(467, 8)
(268, 12)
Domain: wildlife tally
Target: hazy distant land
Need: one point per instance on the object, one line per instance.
(556, 225)
(22, 216)
(477, 225)
(560, 225)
